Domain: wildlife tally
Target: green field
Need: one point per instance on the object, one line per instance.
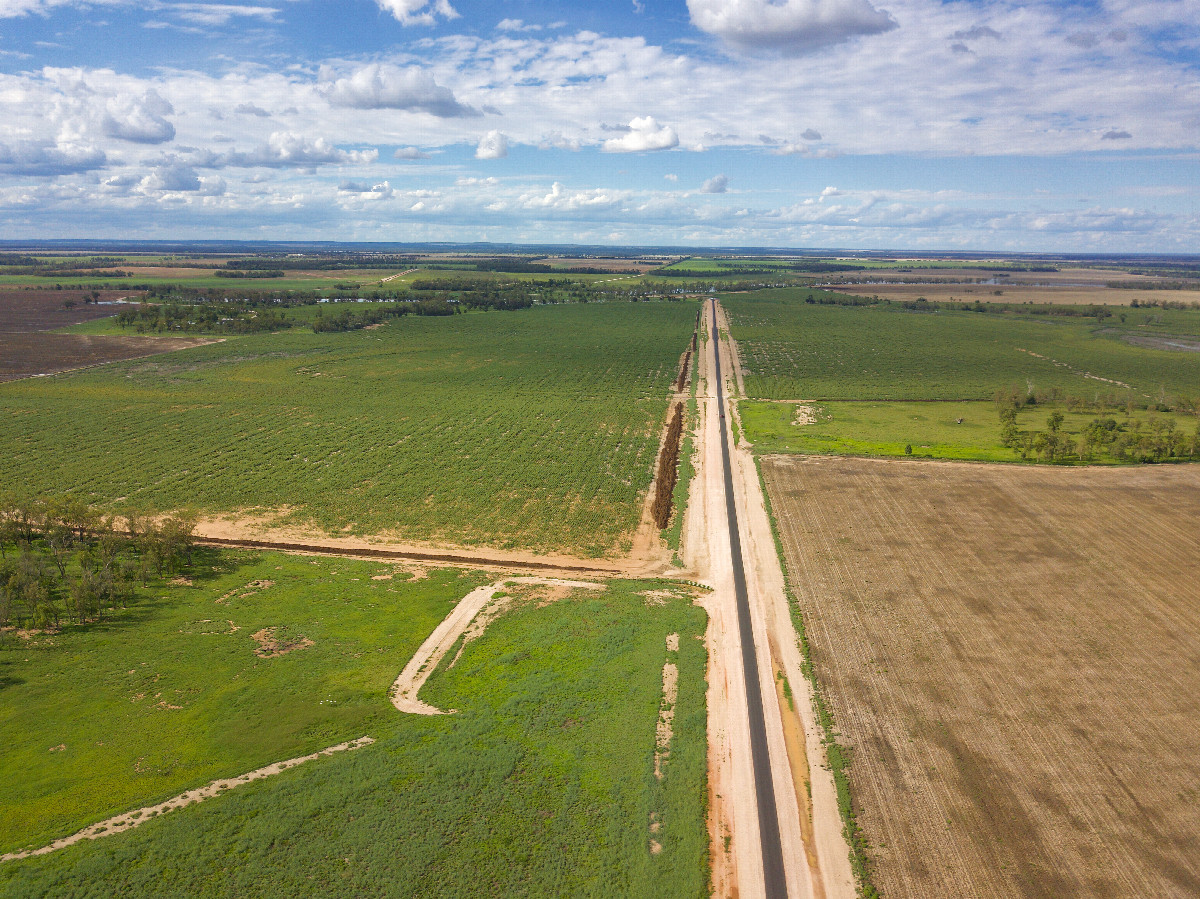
(931, 430)
(794, 350)
(534, 429)
(890, 381)
(108, 691)
(542, 784)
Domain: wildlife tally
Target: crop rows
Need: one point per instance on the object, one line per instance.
(534, 430)
(791, 349)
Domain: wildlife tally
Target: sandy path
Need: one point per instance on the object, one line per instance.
(130, 820)
(407, 271)
(423, 663)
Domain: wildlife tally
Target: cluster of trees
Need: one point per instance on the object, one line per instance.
(1154, 439)
(841, 299)
(357, 319)
(249, 273)
(61, 558)
(228, 318)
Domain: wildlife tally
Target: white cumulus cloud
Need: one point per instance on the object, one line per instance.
(492, 145)
(139, 119)
(285, 149)
(380, 86)
(418, 12)
(790, 26)
(718, 184)
(644, 134)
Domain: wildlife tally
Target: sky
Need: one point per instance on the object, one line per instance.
(859, 124)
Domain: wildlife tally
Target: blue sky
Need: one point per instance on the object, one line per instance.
(908, 124)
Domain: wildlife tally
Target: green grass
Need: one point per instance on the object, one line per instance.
(794, 350)
(103, 690)
(534, 429)
(541, 785)
(931, 429)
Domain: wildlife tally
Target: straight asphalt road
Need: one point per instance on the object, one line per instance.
(764, 786)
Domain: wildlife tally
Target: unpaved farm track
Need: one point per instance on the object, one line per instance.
(1012, 654)
(131, 819)
(425, 660)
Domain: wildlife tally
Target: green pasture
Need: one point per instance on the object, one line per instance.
(794, 350)
(932, 429)
(169, 694)
(534, 429)
(541, 784)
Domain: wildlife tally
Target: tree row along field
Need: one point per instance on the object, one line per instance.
(1012, 657)
(534, 430)
(541, 783)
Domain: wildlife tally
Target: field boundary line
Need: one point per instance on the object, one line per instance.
(136, 817)
(330, 549)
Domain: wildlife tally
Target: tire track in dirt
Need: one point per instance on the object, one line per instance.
(137, 817)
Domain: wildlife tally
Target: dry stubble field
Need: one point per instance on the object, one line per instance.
(1013, 655)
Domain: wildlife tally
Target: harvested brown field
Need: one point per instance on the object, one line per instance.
(24, 310)
(25, 355)
(1012, 655)
(1020, 293)
(1071, 286)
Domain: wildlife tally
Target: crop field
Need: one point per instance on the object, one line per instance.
(542, 783)
(1012, 657)
(534, 429)
(794, 350)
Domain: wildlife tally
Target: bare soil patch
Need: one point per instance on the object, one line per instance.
(25, 311)
(1018, 291)
(1012, 656)
(25, 355)
(271, 643)
(1163, 342)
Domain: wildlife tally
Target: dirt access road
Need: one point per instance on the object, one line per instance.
(796, 849)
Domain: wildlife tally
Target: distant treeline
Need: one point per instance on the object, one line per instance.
(321, 263)
(68, 267)
(250, 273)
(226, 318)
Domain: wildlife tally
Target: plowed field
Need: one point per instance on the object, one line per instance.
(41, 353)
(1013, 657)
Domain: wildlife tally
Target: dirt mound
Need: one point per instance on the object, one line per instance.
(272, 644)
